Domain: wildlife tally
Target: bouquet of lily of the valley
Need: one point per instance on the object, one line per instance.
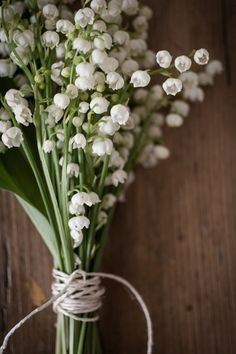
(75, 119)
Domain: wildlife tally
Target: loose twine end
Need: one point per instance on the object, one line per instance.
(81, 293)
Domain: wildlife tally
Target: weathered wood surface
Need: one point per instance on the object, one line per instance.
(175, 238)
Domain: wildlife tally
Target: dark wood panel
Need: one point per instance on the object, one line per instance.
(176, 241)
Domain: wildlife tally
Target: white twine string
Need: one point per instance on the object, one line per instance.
(80, 293)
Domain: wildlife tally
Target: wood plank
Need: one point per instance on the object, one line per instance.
(176, 241)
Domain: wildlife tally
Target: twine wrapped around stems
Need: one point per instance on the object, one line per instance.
(81, 293)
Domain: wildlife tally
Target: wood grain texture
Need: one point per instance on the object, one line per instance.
(174, 239)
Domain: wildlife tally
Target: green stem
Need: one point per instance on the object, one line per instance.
(82, 337)
(95, 211)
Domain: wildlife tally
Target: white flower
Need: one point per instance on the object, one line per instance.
(82, 198)
(119, 53)
(118, 177)
(13, 137)
(93, 199)
(164, 59)
(121, 37)
(3, 36)
(107, 126)
(115, 81)
(102, 218)
(85, 69)
(174, 120)
(116, 160)
(76, 209)
(98, 5)
(24, 39)
(72, 91)
(73, 170)
(7, 11)
(56, 70)
(180, 107)
(102, 147)
(99, 105)
(140, 24)
(4, 125)
(146, 11)
(98, 56)
(130, 7)
(109, 65)
(77, 236)
(137, 47)
(148, 158)
(161, 152)
(77, 122)
(172, 86)
(48, 146)
(129, 67)
(103, 42)
(114, 8)
(79, 199)
(201, 56)
(194, 94)
(60, 51)
(183, 63)
(99, 26)
(14, 98)
(50, 25)
(82, 45)
(140, 78)
(4, 115)
(50, 12)
(189, 79)
(149, 59)
(4, 50)
(50, 39)
(85, 83)
(7, 68)
(108, 201)
(22, 53)
(214, 67)
(60, 134)
(78, 223)
(84, 17)
(61, 100)
(83, 107)
(54, 113)
(64, 26)
(120, 114)
(23, 114)
(78, 141)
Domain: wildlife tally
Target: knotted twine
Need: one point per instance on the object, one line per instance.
(81, 293)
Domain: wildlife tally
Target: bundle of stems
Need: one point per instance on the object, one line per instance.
(76, 118)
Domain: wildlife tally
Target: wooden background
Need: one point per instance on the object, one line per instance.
(174, 239)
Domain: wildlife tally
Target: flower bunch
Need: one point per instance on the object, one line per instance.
(79, 111)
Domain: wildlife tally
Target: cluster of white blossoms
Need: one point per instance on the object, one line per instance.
(85, 76)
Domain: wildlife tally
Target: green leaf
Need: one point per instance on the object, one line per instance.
(42, 226)
(17, 177)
